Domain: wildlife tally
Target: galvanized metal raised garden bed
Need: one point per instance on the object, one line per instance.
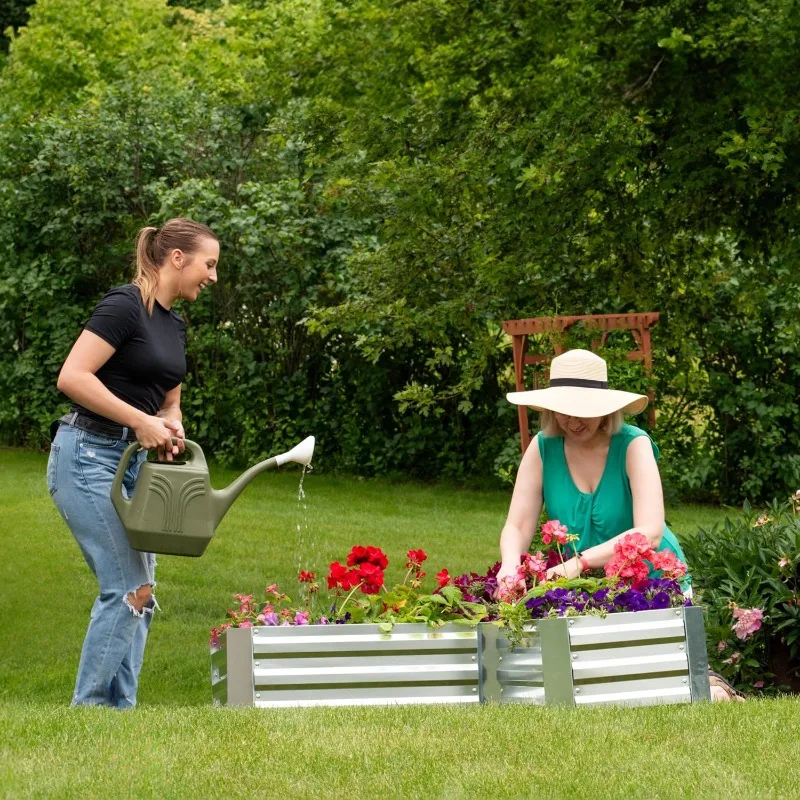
(640, 658)
(333, 665)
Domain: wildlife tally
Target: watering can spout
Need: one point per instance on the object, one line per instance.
(223, 498)
(300, 454)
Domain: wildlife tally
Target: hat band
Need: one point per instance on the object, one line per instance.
(584, 384)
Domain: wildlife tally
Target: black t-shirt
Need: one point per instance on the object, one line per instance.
(149, 357)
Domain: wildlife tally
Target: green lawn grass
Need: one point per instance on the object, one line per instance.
(176, 745)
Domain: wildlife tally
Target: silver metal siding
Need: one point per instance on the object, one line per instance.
(639, 658)
(361, 665)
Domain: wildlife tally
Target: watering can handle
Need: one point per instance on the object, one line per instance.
(116, 486)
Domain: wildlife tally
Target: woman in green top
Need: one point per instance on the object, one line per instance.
(594, 474)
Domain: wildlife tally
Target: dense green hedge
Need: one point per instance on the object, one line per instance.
(392, 180)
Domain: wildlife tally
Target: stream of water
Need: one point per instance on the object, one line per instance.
(306, 546)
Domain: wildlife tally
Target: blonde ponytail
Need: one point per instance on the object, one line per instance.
(146, 277)
(153, 245)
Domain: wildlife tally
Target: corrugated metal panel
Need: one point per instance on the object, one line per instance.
(219, 677)
(638, 691)
(586, 630)
(361, 665)
(356, 695)
(509, 675)
(631, 658)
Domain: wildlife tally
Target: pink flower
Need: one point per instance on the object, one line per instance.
(246, 624)
(734, 659)
(758, 685)
(270, 618)
(671, 567)
(722, 646)
(245, 603)
(629, 561)
(635, 545)
(323, 621)
(510, 588)
(784, 562)
(748, 621)
(553, 529)
(301, 618)
(532, 566)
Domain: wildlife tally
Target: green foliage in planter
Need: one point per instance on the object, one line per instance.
(752, 561)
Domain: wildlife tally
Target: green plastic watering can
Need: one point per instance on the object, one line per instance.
(174, 510)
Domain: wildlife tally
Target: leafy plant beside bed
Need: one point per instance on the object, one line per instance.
(748, 574)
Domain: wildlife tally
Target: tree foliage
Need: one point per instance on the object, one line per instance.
(391, 181)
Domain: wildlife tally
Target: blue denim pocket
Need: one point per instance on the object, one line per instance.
(93, 440)
(52, 468)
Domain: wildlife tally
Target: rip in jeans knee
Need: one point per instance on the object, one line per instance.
(141, 602)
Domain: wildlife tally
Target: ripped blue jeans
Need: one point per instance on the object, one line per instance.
(79, 476)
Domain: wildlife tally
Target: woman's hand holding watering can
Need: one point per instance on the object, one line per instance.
(158, 433)
(174, 448)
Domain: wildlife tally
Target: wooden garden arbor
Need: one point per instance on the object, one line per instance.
(520, 329)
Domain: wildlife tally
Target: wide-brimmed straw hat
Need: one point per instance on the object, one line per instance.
(579, 387)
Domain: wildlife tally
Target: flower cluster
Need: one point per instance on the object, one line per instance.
(748, 621)
(653, 594)
(366, 571)
(470, 597)
(630, 561)
(479, 588)
(414, 562)
(553, 529)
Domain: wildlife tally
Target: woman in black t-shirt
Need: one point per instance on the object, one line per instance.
(124, 376)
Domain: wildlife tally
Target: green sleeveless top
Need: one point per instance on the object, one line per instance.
(606, 512)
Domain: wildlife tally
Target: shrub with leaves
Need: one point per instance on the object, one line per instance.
(748, 574)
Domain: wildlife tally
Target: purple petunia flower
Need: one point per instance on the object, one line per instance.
(660, 600)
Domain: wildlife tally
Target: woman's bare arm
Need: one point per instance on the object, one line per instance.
(79, 382)
(523, 514)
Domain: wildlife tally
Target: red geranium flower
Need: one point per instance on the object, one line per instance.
(371, 577)
(443, 578)
(367, 555)
(377, 557)
(415, 558)
(338, 576)
(357, 555)
(306, 577)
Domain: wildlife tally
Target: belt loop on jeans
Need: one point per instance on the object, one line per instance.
(74, 417)
(124, 433)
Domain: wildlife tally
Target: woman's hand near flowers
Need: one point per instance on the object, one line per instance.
(523, 516)
(571, 568)
(508, 581)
